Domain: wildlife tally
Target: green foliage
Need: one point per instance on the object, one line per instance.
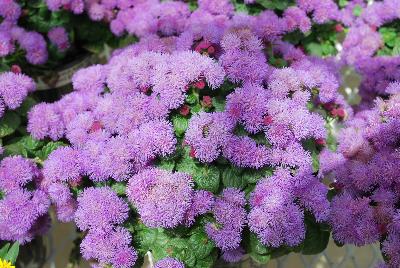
(232, 177)
(389, 34)
(191, 246)
(275, 4)
(9, 123)
(180, 125)
(207, 177)
(44, 152)
(10, 253)
(357, 10)
(317, 237)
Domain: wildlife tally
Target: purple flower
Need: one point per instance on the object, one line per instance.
(233, 255)
(162, 198)
(62, 165)
(111, 246)
(207, 133)
(230, 217)
(14, 88)
(16, 172)
(202, 202)
(90, 79)
(100, 208)
(45, 121)
(353, 220)
(20, 209)
(169, 263)
(59, 37)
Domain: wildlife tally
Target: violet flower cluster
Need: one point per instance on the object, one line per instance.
(23, 211)
(14, 88)
(362, 44)
(120, 124)
(117, 122)
(13, 36)
(364, 170)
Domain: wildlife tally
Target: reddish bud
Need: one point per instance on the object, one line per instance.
(336, 185)
(339, 112)
(144, 90)
(339, 28)
(200, 84)
(321, 141)
(192, 153)
(66, 6)
(329, 106)
(198, 48)
(207, 101)
(16, 69)
(268, 120)
(210, 50)
(382, 228)
(75, 183)
(185, 110)
(95, 126)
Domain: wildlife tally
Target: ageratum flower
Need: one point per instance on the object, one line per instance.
(100, 208)
(162, 198)
(230, 217)
(169, 263)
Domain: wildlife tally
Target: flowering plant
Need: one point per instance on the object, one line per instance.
(214, 135)
(34, 39)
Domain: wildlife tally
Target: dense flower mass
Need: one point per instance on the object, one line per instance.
(214, 134)
(22, 210)
(14, 88)
(365, 173)
(162, 115)
(33, 43)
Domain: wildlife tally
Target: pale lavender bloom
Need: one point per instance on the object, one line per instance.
(100, 208)
(161, 197)
(169, 263)
(230, 217)
(59, 37)
(14, 88)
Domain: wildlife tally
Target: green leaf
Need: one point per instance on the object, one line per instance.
(315, 49)
(48, 149)
(9, 123)
(231, 177)
(343, 3)
(207, 262)
(316, 239)
(315, 162)
(201, 245)
(357, 10)
(119, 188)
(4, 250)
(30, 143)
(12, 254)
(256, 246)
(166, 164)
(191, 98)
(274, 4)
(180, 125)
(207, 178)
(219, 103)
(262, 259)
(196, 108)
(15, 149)
(396, 48)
